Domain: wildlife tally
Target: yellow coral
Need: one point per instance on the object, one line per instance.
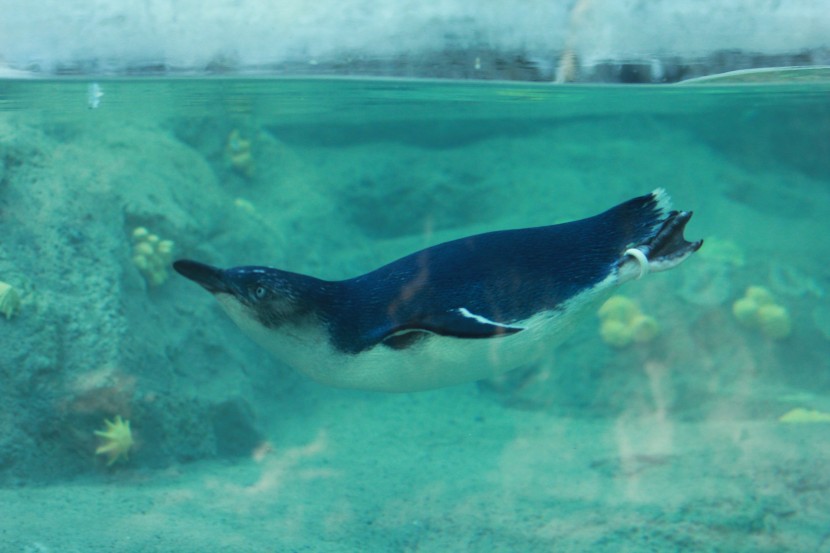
(643, 328)
(759, 295)
(774, 321)
(618, 307)
(238, 152)
(118, 440)
(615, 333)
(746, 312)
(151, 255)
(622, 323)
(757, 310)
(800, 415)
(245, 205)
(723, 252)
(9, 300)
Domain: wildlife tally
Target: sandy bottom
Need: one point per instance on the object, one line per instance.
(451, 471)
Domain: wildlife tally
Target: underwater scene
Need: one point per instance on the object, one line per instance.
(687, 410)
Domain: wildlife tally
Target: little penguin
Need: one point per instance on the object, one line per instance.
(459, 311)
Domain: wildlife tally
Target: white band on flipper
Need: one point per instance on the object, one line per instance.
(641, 258)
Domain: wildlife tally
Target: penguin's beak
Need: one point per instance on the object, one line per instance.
(208, 277)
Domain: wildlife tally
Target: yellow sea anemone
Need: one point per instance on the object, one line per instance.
(9, 300)
(118, 440)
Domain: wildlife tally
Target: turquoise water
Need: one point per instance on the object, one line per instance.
(709, 436)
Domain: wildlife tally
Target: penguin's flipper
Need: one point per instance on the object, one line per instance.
(457, 323)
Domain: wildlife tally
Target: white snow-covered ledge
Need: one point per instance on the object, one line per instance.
(587, 40)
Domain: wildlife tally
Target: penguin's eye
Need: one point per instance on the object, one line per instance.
(260, 292)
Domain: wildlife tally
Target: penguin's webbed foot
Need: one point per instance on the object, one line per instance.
(668, 248)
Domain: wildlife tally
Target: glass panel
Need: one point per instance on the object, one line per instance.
(702, 430)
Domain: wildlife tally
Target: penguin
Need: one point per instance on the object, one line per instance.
(459, 311)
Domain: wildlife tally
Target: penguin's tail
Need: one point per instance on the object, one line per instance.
(657, 243)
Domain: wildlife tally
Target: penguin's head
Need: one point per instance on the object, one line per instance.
(269, 297)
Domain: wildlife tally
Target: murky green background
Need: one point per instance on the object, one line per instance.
(673, 444)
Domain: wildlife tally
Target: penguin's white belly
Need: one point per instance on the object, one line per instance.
(434, 362)
(439, 361)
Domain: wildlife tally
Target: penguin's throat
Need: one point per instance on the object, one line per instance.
(287, 338)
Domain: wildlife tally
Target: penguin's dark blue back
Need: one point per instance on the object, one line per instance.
(504, 277)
